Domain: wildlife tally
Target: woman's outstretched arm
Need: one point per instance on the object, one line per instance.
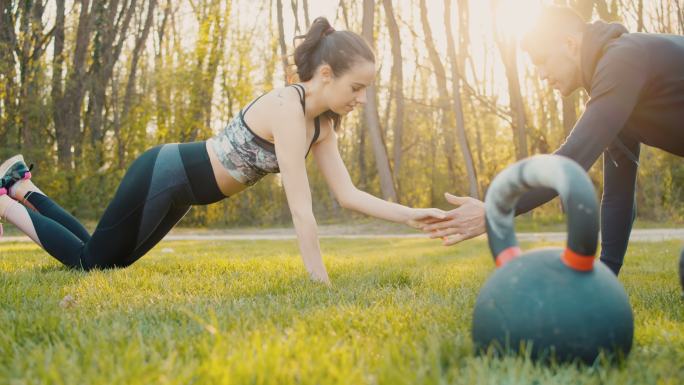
(337, 177)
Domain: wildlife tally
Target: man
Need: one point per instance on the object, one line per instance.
(635, 82)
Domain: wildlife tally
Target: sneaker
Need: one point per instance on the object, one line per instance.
(13, 170)
(4, 188)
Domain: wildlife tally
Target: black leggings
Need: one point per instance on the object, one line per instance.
(156, 192)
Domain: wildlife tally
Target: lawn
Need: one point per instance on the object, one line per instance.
(237, 312)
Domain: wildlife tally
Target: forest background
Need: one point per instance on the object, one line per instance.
(86, 86)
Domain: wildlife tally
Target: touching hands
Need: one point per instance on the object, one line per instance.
(464, 222)
(419, 218)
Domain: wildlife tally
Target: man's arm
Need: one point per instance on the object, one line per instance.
(617, 87)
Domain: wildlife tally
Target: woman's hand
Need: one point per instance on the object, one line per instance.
(419, 218)
(320, 277)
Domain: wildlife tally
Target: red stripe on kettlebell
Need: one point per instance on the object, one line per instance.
(507, 255)
(578, 261)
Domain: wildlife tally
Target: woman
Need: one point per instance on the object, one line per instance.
(272, 134)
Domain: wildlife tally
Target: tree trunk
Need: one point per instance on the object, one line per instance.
(281, 39)
(8, 72)
(57, 92)
(67, 107)
(680, 17)
(397, 88)
(110, 25)
(456, 94)
(28, 46)
(371, 114)
(508, 50)
(295, 14)
(345, 14)
(129, 96)
(305, 5)
(161, 88)
(444, 105)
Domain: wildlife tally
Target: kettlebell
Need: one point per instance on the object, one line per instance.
(553, 304)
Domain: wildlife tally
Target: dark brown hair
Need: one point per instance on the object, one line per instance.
(324, 45)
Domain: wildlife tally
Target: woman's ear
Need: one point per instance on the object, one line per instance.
(325, 72)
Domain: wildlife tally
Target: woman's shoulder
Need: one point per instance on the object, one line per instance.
(289, 95)
(275, 106)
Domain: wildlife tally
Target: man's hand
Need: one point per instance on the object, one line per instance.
(464, 222)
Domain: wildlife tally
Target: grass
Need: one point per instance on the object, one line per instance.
(399, 312)
(524, 223)
(366, 225)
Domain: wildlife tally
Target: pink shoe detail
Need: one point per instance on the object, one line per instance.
(27, 175)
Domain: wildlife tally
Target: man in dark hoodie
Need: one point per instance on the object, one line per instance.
(635, 83)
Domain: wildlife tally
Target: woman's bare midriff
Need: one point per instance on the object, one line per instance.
(226, 183)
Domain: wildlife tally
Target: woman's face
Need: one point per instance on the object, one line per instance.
(343, 93)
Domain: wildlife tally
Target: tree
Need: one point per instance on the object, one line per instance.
(68, 94)
(23, 50)
(456, 65)
(396, 86)
(281, 38)
(509, 55)
(130, 96)
(370, 113)
(111, 31)
(442, 92)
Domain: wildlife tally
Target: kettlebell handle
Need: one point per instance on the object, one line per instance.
(576, 192)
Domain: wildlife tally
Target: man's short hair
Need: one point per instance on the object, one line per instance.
(553, 22)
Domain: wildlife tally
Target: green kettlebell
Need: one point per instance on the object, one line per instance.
(554, 304)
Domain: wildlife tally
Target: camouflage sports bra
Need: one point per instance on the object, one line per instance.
(247, 156)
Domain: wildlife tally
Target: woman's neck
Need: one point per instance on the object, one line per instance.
(315, 104)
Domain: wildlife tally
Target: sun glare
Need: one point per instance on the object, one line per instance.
(515, 17)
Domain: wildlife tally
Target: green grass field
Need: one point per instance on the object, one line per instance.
(399, 312)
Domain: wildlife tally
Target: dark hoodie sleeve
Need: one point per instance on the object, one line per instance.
(616, 87)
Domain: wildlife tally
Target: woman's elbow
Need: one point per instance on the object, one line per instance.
(346, 199)
(303, 217)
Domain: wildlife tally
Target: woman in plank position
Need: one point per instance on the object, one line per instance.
(274, 133)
